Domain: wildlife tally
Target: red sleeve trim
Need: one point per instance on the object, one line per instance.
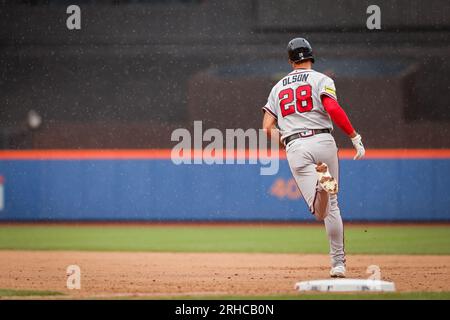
(268, 110)
(328, 95)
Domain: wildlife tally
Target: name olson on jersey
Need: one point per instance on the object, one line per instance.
(302, 77)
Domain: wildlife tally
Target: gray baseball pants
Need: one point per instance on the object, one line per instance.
(303, 154)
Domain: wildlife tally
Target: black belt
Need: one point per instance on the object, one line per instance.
(304, 134)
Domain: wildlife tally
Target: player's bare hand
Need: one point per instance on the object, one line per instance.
(358, 145)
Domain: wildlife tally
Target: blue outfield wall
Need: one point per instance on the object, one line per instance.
(373, 189)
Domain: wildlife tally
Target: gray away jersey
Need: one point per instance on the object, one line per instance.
(295, 101)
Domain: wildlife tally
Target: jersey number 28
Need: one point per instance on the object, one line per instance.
(302, 97)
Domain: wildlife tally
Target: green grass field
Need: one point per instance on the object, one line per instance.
(28, 293)
(5, 293)
(274, 239)
(333, 296)
(360, 239)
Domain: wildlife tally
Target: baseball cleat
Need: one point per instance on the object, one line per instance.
(337, 272)
(326, 181)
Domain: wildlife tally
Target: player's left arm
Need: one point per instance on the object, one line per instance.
(340, 118)
(269, 125)
(270, 119)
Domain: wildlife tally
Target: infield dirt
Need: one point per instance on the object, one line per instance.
(110, 274)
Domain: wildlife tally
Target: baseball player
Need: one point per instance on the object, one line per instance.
(300, 111)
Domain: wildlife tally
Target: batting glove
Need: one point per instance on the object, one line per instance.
(357, 143)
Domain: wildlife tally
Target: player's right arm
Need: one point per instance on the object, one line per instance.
(339, 117)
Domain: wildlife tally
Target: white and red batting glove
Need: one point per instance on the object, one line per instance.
(357, 143)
